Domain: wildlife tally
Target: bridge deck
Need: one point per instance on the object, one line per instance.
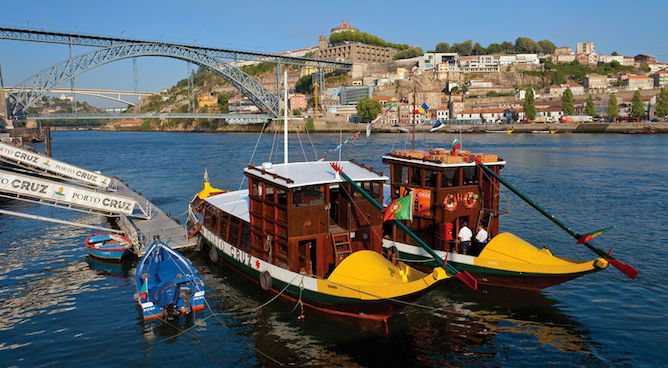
(141, 231)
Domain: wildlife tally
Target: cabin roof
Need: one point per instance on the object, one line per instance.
(235, 203)
(313, 173)
(440, 164)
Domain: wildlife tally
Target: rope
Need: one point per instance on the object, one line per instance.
(315, 154)
(253, 154)
(299, 138)
(360, 210)
(271, 152)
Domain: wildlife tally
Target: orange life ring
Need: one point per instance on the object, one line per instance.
(469, 199)
(450, 203)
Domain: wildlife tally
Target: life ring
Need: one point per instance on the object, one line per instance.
(213, 254)
(469, 199)
(450, 202)
(265, 280)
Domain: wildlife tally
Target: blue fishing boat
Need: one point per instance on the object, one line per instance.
(167, 283)
(107, 246)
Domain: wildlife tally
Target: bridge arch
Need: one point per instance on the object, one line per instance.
(33, 88)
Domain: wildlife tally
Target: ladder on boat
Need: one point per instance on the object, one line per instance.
(342, 246)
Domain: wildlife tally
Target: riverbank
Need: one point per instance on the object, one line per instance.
(518, 128)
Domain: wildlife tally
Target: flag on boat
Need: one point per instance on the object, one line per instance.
(587, 237)
(399, 209)
(455, 146)
(436, 126)
(143, 293)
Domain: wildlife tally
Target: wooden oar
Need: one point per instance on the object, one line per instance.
(627, 269)
(464, 276)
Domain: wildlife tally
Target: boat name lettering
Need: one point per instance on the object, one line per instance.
(122, 205)
(27, 157)
(332, 286)
(27, 185)
(85, 175)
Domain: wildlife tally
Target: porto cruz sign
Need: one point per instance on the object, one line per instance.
(41, 162)
(62, 193)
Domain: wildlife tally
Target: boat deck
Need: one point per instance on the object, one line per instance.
(142, 231)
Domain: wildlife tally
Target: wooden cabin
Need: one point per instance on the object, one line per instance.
(448, 189)
(302, 217)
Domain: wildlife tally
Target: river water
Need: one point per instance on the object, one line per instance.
(59, 307)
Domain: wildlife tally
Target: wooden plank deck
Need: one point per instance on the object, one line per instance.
(142, 231)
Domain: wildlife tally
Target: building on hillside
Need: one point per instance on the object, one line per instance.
(644, 59)
(655, 67)
(442, 113)
(549, 114)
(350, 51)
(206, 100)
(344, 27)
(582, 58)
(567, 58)
(610, 58)
(242, 105)
(431, 60)
(480, 64)
(649, 102)
(386, 101)
(479, 83)
(564, 51)
(350, 95)
(297, 101)
(636, 82)
(596, 81)
(586, 48)
(660, 79)
(431, 97)
(630, 61)
(557, 90)
(527, 59)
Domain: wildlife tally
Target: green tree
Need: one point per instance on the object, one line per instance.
(408, 53)
(662, 103)
(463, 48)
(613, 108)
(508, 47)
(546, 46)
(223, 102)
(567, 105)
(645, 68)
(529, 106)
(442, 47)
(494, 48)
(614, 53)
(526, 45)
(305, 84)
(637, 107)
(478, 50)
(589, 107)
(368, 109)
(309, 124)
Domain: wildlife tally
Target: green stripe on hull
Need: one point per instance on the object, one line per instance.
(292, 290)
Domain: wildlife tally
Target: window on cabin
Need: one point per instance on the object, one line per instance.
(269, 195)
(282, 196)
(449, 177)
(430, 178)
(256, 189)
(312, 195)
(470, 175)
(416, 176)
(404, 175)
(396, 174)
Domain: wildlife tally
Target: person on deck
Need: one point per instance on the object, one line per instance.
(465, 235)
(481, 236)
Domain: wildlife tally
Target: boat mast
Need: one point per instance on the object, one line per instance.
(285, 116)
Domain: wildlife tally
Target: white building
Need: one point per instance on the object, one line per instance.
(442, 113)
(586, 48)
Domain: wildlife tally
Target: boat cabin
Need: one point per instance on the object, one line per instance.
(300, 216)
(448, 189)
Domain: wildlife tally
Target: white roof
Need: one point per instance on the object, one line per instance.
(313, 173)
(235, 203)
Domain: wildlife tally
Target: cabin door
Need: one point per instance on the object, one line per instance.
(306, 251)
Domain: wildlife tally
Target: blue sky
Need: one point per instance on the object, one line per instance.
(628, 27)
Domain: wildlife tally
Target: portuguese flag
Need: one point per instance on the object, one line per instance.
(455, 146)
(587, 237)
(143, 293)
(400, 209)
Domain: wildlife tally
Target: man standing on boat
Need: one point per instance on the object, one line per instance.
(465, 235)
(481, 236)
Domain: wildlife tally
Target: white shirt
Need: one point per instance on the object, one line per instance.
(465, 234)
(481, 236)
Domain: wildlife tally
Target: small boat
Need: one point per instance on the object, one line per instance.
(401, 128)
(645, 130)
(543, 131)
(167, 283)
(107, 246)
(509, 131)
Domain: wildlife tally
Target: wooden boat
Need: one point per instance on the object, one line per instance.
(451, 189)
(167, 283)
(543, 131)
(107, 246)
(509, 131)
(302, 232)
